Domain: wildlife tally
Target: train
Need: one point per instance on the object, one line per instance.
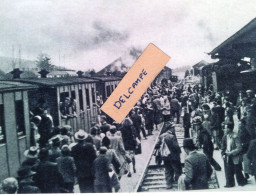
(69, 100)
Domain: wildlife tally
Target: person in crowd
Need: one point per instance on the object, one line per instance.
(31, 157)
(45, 128)
(231, 153)
(9, 186)
(55, 151)
(112, 155)
(166, 111)
(197, 168)
(34, 135)
(129, 140)
(137, 121)
(218, 117)
(140, 113)
(157, 107)
(47, 177)
(172, 163)
(104, 125)
(96, 138)
(186, 122)
(84, 154)
(101, 169)
(149, 117)
(245, 139)
(251, 154)
(251, 113)
(67, 169)
(66, 135)
(26, 182)
(175, 108)
(205, 142)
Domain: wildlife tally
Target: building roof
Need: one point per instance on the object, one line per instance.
(107, 78)
(58, 81)
(239, 42)
(200, 64)
(6, 86)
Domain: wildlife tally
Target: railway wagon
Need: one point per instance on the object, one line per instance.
(69, 100)
(106, 85)
(14, 125)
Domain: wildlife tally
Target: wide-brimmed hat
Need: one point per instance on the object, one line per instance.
(25, 172)
(81, 135)
(55, 140)
(32, 152)
(188, 143)
(197, 120)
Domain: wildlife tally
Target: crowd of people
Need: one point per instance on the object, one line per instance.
(97, 158)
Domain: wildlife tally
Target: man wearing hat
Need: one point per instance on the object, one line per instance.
(172, 162)
(26, 183)
(197, 168)
(31, 157)
(84, 154)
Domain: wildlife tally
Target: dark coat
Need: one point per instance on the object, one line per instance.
(67, 168)
(84, 155)
(251, 154)
(47, 177)
(204, 139)
(186, 120)
(149, 119)
(129, 137)
(175, 104)
(172, 144)
(197, 170)
(220, 112)
(101, 168)
(27, 188)
(136, 119)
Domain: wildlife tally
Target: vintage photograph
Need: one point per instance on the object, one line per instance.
(194, 128)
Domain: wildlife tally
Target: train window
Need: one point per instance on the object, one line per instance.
(63, 96)
(93, 95)
(2, 129)
(81, 102)
(20, 120)
(112, 88)
(88, 98)
(108, 91)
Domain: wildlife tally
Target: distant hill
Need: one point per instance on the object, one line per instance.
(122, 64)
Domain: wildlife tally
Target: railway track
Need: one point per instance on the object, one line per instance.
(153, 178)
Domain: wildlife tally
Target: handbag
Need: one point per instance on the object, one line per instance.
(164, 150)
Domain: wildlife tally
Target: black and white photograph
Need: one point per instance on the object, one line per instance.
(194, 127)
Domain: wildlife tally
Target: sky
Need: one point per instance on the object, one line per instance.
(82, 34)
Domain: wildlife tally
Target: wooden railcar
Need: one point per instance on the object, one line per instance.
(14, 125)
(69, 100)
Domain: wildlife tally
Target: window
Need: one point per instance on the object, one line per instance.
(88, 98)
(108, 91)
(63, 96)
(93, 96)
(20, 120)
(2, 129)
(112, 88)
(81, 102)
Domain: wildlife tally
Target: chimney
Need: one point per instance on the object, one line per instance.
(80, 73)
(16, 73)
(43, 73)
(109, 73)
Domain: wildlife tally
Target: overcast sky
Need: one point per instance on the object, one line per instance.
(95, 33)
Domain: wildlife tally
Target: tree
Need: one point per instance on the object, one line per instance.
(44, 62)
(186, 73)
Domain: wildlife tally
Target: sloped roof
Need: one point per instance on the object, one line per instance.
(200, 64)
(58, 81)
(244, 37)
(6, 86)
